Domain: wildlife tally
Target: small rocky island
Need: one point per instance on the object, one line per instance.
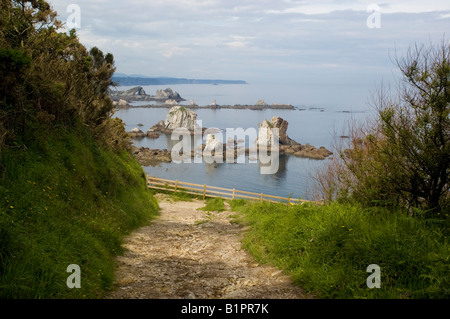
(286, 144)
(123, 98)
(180, 117)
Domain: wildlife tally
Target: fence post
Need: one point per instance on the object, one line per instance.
(234, 190)
(176, 185)
(262, 197)
(204, 192)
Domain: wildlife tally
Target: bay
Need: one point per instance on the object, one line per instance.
(311, 122)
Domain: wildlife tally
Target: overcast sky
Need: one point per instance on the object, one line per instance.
(259, 41)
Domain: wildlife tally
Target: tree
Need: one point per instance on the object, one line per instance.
(417, 127)
(403, 157)
(48, 77)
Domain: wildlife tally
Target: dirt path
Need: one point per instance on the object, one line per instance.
(190, 253)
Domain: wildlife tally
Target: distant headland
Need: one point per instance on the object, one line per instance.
(125, 80)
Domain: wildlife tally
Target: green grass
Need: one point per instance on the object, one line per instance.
(63, 201)
(214, 204)
(326, 249)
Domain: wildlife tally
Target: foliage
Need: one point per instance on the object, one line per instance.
(50, 78)
(402, 158)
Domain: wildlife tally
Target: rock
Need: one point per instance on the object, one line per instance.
(168, 94)
(139, 94)
(150, 157)
(212, 144)
(265, 132)
(138, 90)
(289, 151)
(170, 102)
(121, 103)
(179, 117)
(153, 134)
(214, 103)
(192, 103)
(261, 103)
(136, 132)
(286, 144)
(134, 93)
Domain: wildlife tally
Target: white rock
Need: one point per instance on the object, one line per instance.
(136, 130)
(122, 103)
(171, 102)
(212, 143)
(178, 117)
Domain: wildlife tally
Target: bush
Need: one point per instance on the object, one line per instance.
(402, 157)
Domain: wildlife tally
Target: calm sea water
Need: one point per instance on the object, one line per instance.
(321, 116)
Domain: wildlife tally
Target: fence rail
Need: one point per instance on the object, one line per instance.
(213, 191)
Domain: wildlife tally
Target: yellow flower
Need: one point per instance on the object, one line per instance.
(11, 207)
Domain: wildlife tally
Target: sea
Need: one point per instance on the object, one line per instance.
(322, 117)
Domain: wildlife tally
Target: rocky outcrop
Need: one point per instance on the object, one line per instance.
(121, 103)
(138, 94)
(180, 117)
(170, 102)
(261, 103)
(212, 143)
(151, 157)
(136, 132)
(159, 128)
(265, 132)
(307, 151)
(286, 144)
(168, 94)
(137, 91)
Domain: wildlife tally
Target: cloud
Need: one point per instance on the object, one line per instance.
(256, 40)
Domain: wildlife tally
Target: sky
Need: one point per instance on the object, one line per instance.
(350, 42)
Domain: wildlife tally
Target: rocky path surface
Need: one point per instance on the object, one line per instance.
(190, 253)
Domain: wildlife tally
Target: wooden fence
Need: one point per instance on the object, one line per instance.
(213, 191)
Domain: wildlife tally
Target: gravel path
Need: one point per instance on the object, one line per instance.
(190, 253)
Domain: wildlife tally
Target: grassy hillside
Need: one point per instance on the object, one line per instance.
(65, 200)
(327, 249)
